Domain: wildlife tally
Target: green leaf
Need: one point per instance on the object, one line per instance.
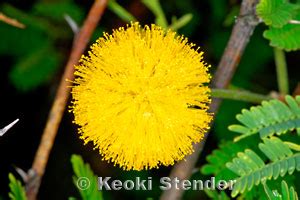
(215, 195)
(84, 179)
(287, 193)
(27, 40)
(217, 160)
(17, 191)
(155, 7)
(252, 170)
(120, 11)
(286, 38)
(35, 69)
(272, 117)
(272, 195)
(21, 42)
(276, 13)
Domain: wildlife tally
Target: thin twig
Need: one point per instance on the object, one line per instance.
(239, 95)
(281, 70)
(239, 39)
(10, 21)
(41, 158)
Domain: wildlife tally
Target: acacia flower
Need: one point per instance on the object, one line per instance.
(141, 97)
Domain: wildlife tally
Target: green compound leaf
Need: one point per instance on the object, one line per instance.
(272, 117)
(218, 158)
(84, 179)
(287, 193)
(252, 170)
(17, 191)
(216, 167)
(286, 38)
(275, 13)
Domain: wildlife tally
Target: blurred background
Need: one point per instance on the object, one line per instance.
(32, 61)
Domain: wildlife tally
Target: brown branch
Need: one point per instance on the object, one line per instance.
(239, 39)
(41, 158)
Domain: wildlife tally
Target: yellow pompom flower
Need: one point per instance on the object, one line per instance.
(141, 97)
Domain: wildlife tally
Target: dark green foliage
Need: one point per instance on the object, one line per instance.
(33, 49)
(35, 69)
(20, 42)
(57, 10)
(287, 193)
(214, 195)
(218, 159)
(17, 191)
(84, 179)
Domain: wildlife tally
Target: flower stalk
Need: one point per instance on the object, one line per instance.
(281, 70)
(239, 95)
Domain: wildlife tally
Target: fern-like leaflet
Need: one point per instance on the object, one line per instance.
(287, 193)
(272, 117)
(252, 170)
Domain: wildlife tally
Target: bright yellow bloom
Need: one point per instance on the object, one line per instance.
(141, 97)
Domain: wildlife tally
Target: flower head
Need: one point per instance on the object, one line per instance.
(141, 97)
